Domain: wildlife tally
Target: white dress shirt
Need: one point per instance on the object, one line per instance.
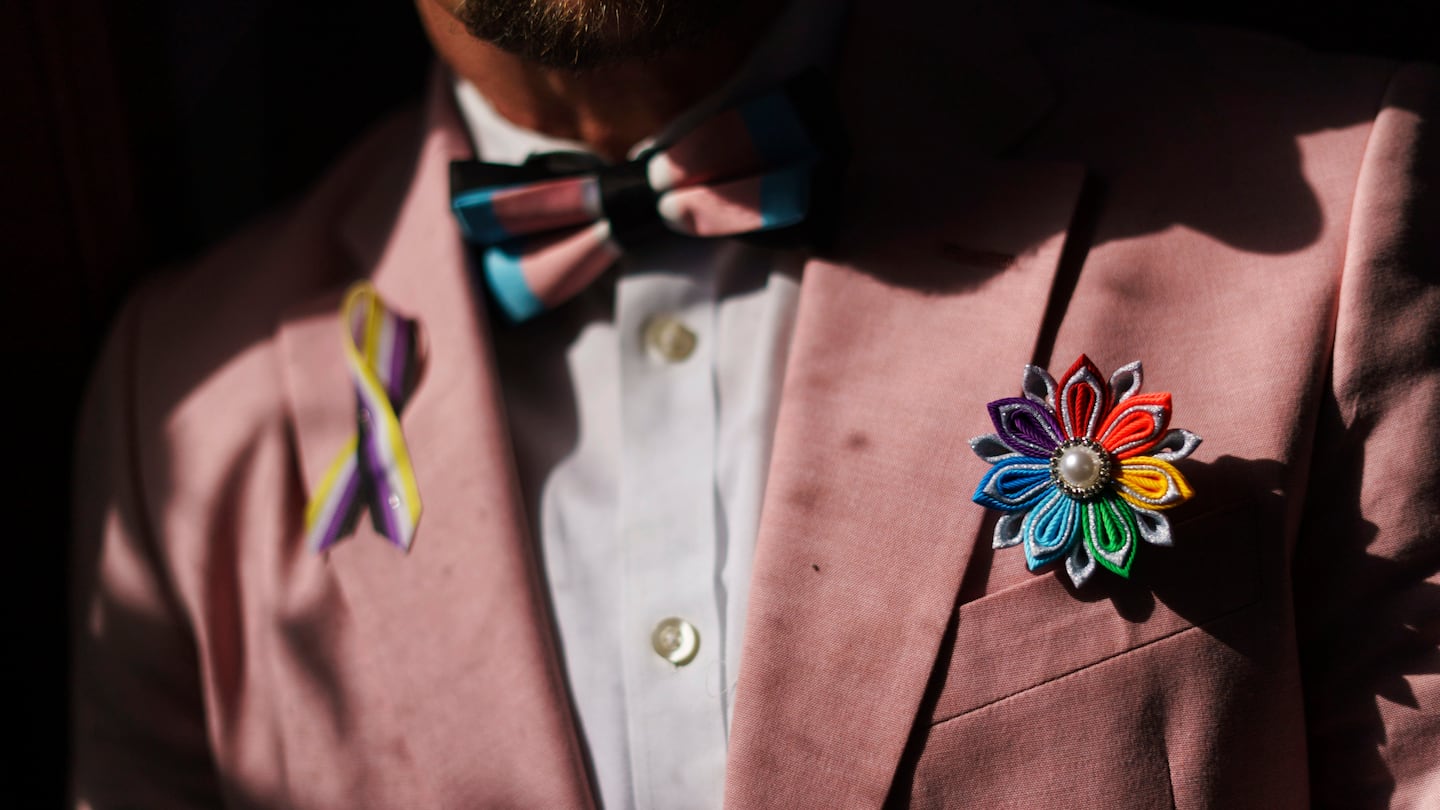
(642, 413)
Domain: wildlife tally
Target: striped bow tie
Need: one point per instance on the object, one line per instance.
(548, 228)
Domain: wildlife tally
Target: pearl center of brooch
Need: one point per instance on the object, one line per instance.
(1080, 467)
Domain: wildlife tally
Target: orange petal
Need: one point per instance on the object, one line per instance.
(1136, 425)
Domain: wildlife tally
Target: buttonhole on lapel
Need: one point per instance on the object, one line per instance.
(982, 259)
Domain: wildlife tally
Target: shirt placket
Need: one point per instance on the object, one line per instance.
(670, 623)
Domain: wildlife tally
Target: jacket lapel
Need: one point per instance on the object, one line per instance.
(458, 626)
(929, 307)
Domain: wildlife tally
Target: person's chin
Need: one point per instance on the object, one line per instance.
(587, 34)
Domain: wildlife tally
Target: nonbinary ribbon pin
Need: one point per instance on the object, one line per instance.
(373, 469)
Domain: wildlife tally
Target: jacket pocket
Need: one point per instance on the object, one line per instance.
(1016, 639)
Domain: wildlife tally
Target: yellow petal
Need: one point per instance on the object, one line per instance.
(1150, 483)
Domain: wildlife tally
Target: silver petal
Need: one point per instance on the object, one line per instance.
(1175, 445)
(1079, 565)
(1154, 527)
(1007, 530)
(1125, 382)
(1039, 386)
(991, 448)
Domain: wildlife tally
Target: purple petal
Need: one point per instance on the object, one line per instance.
(1025, 426)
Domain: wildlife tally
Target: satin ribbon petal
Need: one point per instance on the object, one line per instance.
(1125, 383)
(991, 449)
(1176, 445)
(1150, 483)
(1080, 565)
(1025, 427)
(1008, 530)
(1050, 529)
(1039, 387)
(1111, 534)
(1084, 398)
(1137, 426)
(1014, 484)
(1154, 527)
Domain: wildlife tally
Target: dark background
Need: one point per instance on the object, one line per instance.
(134, 134)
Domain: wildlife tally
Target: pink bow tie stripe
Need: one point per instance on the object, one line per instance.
(747, 169)
(373, 469)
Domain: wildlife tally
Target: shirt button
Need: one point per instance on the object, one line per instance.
(669, 339)
(675, 640)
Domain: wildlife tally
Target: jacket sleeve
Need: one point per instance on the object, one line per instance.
(1367, 564)
(140, 733)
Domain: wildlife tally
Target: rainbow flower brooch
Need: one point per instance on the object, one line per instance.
(1082, 469)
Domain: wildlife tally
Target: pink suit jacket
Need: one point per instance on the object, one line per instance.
(1258, 224)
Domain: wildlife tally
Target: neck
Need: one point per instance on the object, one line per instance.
(609, 109)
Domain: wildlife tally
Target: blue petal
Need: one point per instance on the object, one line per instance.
(1014, 484)
(1050, 529)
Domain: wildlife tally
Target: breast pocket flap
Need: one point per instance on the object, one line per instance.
(1021, 637)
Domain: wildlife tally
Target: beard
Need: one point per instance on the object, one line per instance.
(586, 34)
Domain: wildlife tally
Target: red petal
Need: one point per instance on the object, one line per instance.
(1084, 397)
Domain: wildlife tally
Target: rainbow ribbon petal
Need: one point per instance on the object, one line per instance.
(373, 469)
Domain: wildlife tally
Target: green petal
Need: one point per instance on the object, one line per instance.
(1110, 533)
